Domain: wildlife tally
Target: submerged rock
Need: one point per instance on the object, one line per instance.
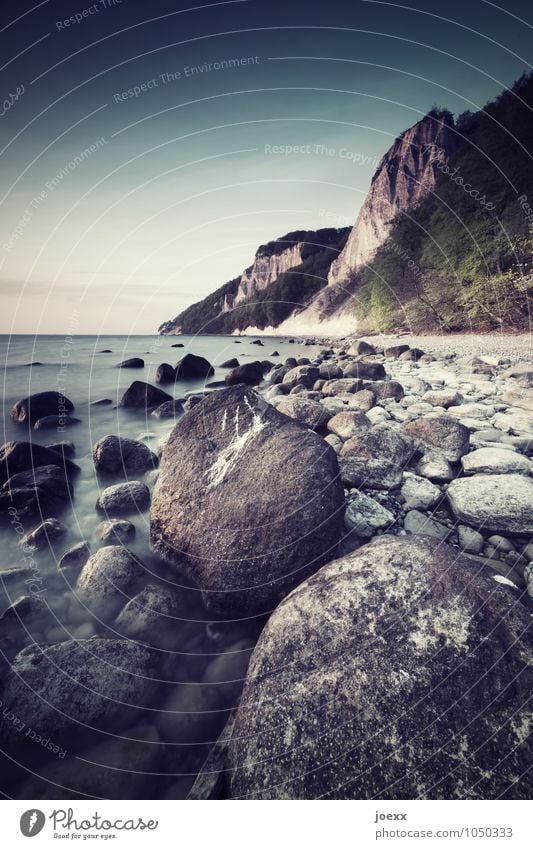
(130, 497)
(59, 422)
(37, 491)
(192, 366)
(259, 540)
(78, 685)
(495, 503)
(106, 581)
(143, 396)
(114, 454)
(75, 557)
(168, 410)
(115, 531)
(18, 457)
(165, 373)
(133, 362)
(44, 534)
(41, 404)
(366, 681)
(153, 616)
(249, 373)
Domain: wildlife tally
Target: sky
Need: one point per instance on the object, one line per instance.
(148, 149)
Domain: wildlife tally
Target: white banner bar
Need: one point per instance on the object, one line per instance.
(256, 825)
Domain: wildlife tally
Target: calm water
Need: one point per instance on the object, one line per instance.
(76, 367)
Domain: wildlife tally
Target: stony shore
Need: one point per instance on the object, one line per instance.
(358, 522)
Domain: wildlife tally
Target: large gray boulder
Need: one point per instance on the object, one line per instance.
(248, 500)
(376, 458)
(496, 461)
(18, 457)
(440, 433)
(497, 503)
(398, 672)
(73, 687)
(113, 454)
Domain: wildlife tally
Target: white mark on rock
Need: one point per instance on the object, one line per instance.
(224, 420)
(229, 456)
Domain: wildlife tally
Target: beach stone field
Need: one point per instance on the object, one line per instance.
(334, 598)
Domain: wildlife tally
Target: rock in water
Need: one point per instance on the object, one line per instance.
(41, 404)
(67, 688)
(249, 373)
(496, 503)
(36, 491)
(165, 373)
(133, 362)
(143, 396)
(398, 672)
(114, 454)
(18, 457)
(248, 500)
(191, 367)
(130, 497)
(106, 582)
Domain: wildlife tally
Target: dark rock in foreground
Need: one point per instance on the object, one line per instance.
(18, 457)
(58, 422)
(41, 404)
(78, 685)
(143, 396)
(398, 672)
(248, 500)
(36, 491)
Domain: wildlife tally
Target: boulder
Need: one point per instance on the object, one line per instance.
(395, 351)
(419, 493)
(165, 373)
(519, 398)
(65, 689)
(248, 501)
(348, 424)
(153, 616)
(435, 467)
(522, 373)
(365, 371)
(400, 671)
(143, 396)
(44, 534)
(469, 539)
(106, 581)
(365, 515)
(113, 454)
(41, 404)
(471, 410)
(330, 371)
(376, 458)
(305, 375)
(133, 362)
(18, 457)
(514, 420)
(496, 461)
(65, 449)
(249, 373)
(413, 355)
(442, 398)
(168, 410)
(496, 503)
(364, 400)
(387, 390)
(439, 433)
(57, 422)
(361, 349)
(75, 557)
(231, 363)
(120, 767)
(337, 387)
(192, 367)
(416, 522)
(37, 491)
(115, 531)
(309, 413)
(130, 497)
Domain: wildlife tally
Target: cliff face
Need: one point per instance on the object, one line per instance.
(284, 276)
(407, 173)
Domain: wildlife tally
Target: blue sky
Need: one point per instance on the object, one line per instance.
(135, 183)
